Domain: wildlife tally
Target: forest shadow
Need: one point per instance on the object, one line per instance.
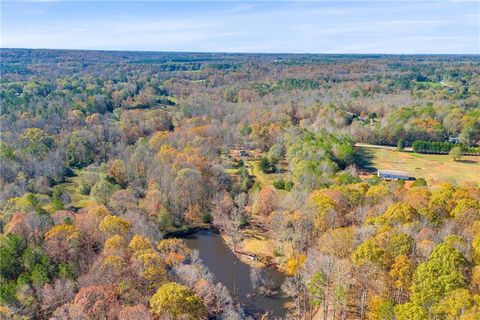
(466, 161)
(364, 159)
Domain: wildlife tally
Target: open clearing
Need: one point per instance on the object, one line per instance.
(71, 186)
(264, 179)
(433, 168)
(252, 163)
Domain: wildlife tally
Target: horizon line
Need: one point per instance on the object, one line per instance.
(246, 52)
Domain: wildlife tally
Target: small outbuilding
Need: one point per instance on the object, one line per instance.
(454, 140)
(393, 175)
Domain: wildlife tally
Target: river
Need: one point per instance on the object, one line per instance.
(235, 274)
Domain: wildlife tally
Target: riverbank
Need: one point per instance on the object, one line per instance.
(236, 275)
(256, 248)
(187, 230)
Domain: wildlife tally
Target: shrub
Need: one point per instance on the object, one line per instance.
(279, 184)
(420, 182)
(207, 217)
(267, 166)
(456, 153)
(288, 185)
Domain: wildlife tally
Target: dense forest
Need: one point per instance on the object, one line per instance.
(109, 158)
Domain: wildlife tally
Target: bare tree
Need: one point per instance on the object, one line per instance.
(229, 216)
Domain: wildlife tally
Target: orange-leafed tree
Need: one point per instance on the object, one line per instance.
(62, 243)
(266, 202)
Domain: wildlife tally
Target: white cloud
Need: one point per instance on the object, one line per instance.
(407, 27)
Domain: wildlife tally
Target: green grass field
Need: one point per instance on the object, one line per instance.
(433, 168)
(264, 179)
(71, 185)
(436, 85)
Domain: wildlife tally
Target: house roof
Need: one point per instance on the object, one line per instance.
(393, 172)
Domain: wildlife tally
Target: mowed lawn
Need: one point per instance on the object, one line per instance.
(433, 168)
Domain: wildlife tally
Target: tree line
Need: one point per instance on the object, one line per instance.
(442, 148)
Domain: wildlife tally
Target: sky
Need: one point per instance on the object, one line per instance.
(397, 27)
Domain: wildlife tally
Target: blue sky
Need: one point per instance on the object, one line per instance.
(446, 26)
